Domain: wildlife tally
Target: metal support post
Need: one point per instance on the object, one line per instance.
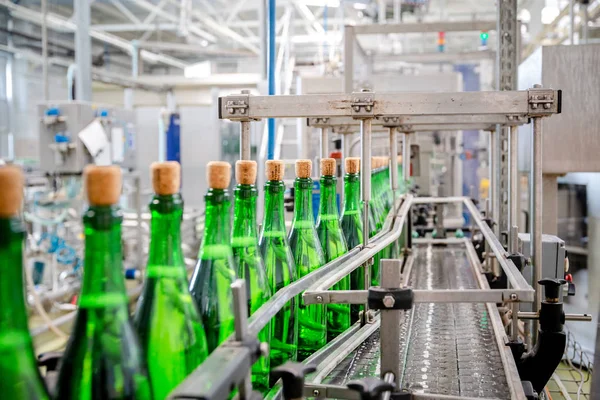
(44, 10)
(571, 22)
(391, 321)
(324, 143)
(493, 177)
(240, 310)
(406, 157)
(513, 248)
(513, 179)
(245, 141)
(394, 159)
(83, 50)
(535, 195)
(585, 19)
(365, 176)
(348, 58)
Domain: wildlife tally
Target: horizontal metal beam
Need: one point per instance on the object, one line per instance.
(507, 103)
(453, 122)
(136, 27)
(420, 27)
(194, 49)
(444, 57)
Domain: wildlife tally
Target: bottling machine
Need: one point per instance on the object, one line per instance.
(433, 330)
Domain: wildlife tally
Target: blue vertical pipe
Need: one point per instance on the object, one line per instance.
(271, 76)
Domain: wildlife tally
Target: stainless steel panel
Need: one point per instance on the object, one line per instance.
(572, 139)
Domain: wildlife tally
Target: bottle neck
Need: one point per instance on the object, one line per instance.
(327, 203)
(351, 193)
(303, 211)
(103, 280)
(217, 219)
(165, 234)
(274, 219)
(244, 217)
(13, 314)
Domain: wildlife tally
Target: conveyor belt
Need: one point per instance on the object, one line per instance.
(452, 346)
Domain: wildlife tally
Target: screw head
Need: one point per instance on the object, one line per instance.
(316, 393)
(368, 108)
(547, 106)
(389, 301)
(356, 99)
(534, 106)
(357, 108)
(230, 110)
(320, 299)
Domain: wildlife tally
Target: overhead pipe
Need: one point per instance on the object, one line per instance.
(272, 12)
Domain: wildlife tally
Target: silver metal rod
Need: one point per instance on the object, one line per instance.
(514, 328)
(584, 22)
(365, 174)
(389, 377)
(394, 158)
(568, 317)
(240, 311)
(245, 141)
(406, 157)
(513, 178)
(391, 322)
(83, 51)
(494, 176)
(324, 143)
(513, 240)
(349, 39)
(536, 190)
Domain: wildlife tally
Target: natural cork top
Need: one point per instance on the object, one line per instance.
(399, 159)
(352, 165)
(218, 174)
(11, 190)
(303, 168)
(166, 177)
(274, 170)
(245, 172)
(328, 166)
(374, 163)
(103, 184)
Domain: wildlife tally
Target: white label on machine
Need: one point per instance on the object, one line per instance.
(117, 141)
(94, 138)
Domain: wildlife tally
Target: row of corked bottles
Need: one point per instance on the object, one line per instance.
(176, 325)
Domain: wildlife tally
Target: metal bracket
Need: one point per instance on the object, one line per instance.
(318, 122)
(542, 102)
(236, 108)
(390, 298)
(363, 105)
(391, 122)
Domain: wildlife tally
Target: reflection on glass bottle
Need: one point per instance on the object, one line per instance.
(352, 225)
(19, 375)
(215, 272)
(308, 256)
(280, 266)
(167, 321)
(248, 259)
(103, 359)
(333, 244)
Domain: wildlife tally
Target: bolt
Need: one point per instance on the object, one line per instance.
(514, 297)
(230, 110)
(316, 393)
(547, 106)
(356, 99)
(357, 108)
(534, 106)
(389, 301)
(320, 299)
(242, 110)
(368, 108)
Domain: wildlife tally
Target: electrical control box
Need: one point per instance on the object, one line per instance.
(75, 134)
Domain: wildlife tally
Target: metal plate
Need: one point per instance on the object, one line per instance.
(452, 348)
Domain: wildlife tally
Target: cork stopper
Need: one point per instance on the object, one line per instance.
(303, 168)
(218, 174)
(374, 163)
(11, 190)
(386, 161)
(103, 184)
(399, 159)
(166, 177)
(328, 167)
(352, 165)
(275, 170)
(245, 172)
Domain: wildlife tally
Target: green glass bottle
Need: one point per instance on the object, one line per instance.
(308, 256)
(352, 225)
(19, 375)
(280, 266)
(248, 260)
(211, 281)
(167, 321)
(103, 359)
(333, 244)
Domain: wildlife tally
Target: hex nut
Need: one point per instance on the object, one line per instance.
(389, 301)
